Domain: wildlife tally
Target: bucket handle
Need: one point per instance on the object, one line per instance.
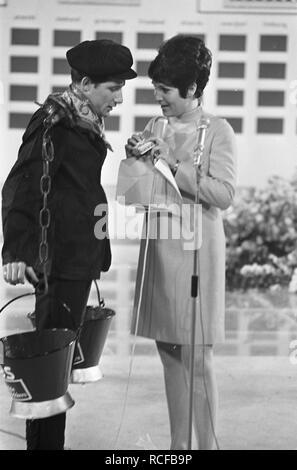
(36, 293)
(101, 303)
(15, 298)
(100, 300)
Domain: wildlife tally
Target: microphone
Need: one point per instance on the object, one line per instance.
(158, 131)
(201, 129)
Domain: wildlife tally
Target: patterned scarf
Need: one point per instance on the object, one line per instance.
(77, 109)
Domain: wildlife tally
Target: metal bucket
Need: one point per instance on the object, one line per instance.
(91, 343)
(37, 367)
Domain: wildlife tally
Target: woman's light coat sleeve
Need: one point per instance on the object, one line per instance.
(217, 187)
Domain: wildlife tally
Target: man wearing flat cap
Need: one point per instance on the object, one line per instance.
(50, 195)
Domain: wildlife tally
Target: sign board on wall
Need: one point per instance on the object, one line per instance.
(248, 6)
(125, 3)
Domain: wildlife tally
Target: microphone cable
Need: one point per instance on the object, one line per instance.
(160, 130)
(197, 201)
(137, 312)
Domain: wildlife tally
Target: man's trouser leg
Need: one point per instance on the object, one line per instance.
(49, 433)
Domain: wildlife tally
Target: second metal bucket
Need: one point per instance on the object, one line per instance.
(91, 343)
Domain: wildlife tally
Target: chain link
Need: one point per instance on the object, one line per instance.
(55, 110)
(45, 188)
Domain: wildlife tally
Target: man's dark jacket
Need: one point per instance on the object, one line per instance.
(74, 250)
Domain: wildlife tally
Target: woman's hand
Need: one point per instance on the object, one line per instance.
(162, 150)
(131, 144)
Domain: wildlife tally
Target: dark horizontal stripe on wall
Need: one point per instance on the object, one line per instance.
(230, 97)
(232, 42)
(272, 70)
(271, 98)
(149, 40)
(24, 64)
(140, 122)
(59, 89)
(145, 96)
(66, 38)
(270, 125)
(236, 124)
(23, 93)
(112, 123)
(61, 67)
(19, 120)
(231, 70)
(113, 35)
(25, 37)
(142, 67)
(273, 43)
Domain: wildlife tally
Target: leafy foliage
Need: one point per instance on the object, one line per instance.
(261, 234)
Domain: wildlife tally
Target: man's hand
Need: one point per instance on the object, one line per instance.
(17, 272)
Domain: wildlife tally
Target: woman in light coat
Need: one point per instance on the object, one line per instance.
(163, 303)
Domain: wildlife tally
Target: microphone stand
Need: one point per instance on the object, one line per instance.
(195, 277)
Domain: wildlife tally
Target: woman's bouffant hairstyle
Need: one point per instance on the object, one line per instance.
(182, 61)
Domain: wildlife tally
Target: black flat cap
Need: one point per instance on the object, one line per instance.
(102, 58)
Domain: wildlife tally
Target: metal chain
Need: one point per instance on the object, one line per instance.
(45, 187)
(56, 109)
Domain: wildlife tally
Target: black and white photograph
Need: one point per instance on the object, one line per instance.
(148, 175)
